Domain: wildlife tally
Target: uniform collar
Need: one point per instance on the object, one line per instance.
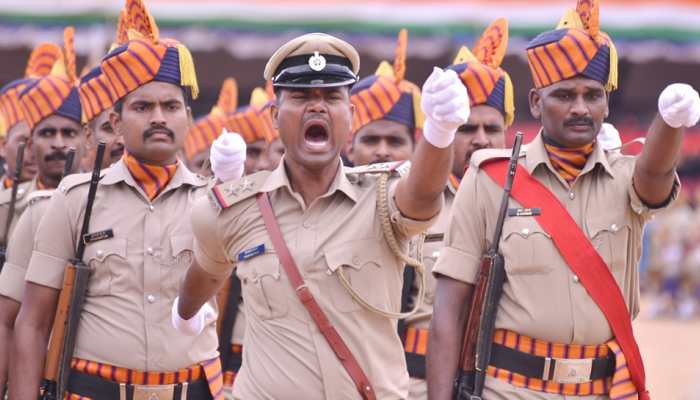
(279, 178)
(119, 172)
(536, 154)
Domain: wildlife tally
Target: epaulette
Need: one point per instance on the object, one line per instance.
(229, 193)
(39, 195)
(479, 156)
(73, 181)
(22, 190)
(399, 167)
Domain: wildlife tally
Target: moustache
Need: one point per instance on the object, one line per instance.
(160, 129)
(579, 121)
(56, 156)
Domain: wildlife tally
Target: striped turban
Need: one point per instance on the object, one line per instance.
(146, 57)
(41, 61)
(576, 48)
(95, 95)
(208, 128)
(387, 95)
(56, 93)
(480, 71)
(254, 121)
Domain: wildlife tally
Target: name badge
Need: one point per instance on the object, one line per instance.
(252, 252)
(524, 212)
(97, 236)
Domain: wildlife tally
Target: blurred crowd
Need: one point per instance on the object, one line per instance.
(670, 264)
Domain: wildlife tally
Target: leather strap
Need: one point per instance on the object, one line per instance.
(335, 341)
(580, 255)
(96, 388)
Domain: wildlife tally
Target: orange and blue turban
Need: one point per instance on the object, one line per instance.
(254, 121)
(576, 48)
(480, 71)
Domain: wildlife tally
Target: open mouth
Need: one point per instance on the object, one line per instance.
(316, 135)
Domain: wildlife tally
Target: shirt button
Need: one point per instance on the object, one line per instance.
(572, 195)
(613, 227)
(356, 260)
(151, 208)
(151, 298)
(149, 251)
(306, 224)
(576, 279)
(100, 253)
(525, 231)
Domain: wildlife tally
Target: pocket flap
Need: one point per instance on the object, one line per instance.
(180, 243)
(99, 251)
(358, 253)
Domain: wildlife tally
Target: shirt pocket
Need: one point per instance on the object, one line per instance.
(266, 290)
(366, 264)
(527, 249)
(174, 264)
(610, 237)
(101, 257)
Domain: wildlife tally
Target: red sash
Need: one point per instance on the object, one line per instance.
(583, 259)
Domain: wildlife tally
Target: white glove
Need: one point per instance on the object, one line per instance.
(195, 325)
(609, 137)
(445, 103)
(227, 156)
(679, 105)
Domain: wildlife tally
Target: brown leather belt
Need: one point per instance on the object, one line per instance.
(335, 341)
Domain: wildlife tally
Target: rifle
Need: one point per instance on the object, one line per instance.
(70, 303)
(13, 200)
(227, 299)
(478, 335)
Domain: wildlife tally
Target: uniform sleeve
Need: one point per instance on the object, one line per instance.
(644, 210)
(208, 250)
(404, 226)
(54, 244)
(19, 252)
(465, 240)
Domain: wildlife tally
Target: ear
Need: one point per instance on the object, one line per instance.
(607, 104)
(88, 136)
(190, 118)
(115, 119)
(352, 114)
(274, 111)
(535, 100)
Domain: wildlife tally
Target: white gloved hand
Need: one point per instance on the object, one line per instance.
(227, 156)
(445, 103)
(195, 325)
(609, 137)
(679, 105)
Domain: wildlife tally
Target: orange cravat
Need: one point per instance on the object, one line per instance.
(151, 178)
(568, 162)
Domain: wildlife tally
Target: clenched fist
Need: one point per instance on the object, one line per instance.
(679, 105)
(445, 103)
(227, 156)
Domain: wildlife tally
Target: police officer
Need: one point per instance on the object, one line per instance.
(328, 215)
(141, 249)
(20, 130)
(553, 337)
(492, 111)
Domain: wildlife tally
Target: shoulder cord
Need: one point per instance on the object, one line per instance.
(390, 237)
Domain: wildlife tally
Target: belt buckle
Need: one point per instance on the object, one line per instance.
(154, 392)
(572, 370)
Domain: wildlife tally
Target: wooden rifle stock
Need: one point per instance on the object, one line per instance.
(478, 333)
(70, 302)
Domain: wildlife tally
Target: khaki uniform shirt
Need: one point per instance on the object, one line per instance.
(19, 251)
(542, 298)
(434, 242)
(285, 355)
(135, 275)
(23, 191)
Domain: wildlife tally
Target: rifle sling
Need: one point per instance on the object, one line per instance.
(335, 341)
(580, 255)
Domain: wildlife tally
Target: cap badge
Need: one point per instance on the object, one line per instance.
(317, 62)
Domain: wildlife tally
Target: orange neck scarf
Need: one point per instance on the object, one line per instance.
(151, 178)
(568, 162)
